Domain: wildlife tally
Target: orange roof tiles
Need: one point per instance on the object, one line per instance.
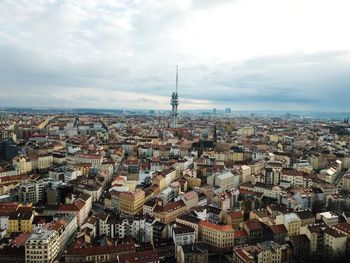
(240, 234)
(215, 226)
(235, 214)
(20, 240)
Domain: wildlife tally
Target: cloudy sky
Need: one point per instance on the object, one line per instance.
(243, 54)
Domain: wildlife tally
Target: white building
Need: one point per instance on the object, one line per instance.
(328, 175)
(167, 195)
(65, 174)
(142, 228)
(33, 191)
(70, 223)
(225, 181)
(182, 234)
(328, 218)
(42, 246)
(334, 242)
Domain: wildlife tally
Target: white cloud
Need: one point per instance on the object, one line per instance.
(130, 48)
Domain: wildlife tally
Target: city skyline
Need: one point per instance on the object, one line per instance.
(245, 55)
(174, 131)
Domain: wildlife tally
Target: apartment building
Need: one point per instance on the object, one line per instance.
(334, 242)
(190, 221)
(268, 251)
(131, 202)
(20, 222)
(219, 236)
(42, 246)
(329, 218)
(292, 223)
(33, 191)
(169, 212)
(182, 234)
(80, 207)
(235, 218)
(22, 164)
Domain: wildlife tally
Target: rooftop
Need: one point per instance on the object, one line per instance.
(41, 235)
(253, 224)
(216, 227)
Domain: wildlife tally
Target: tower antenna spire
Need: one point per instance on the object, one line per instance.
(175, 101)
(177, 79)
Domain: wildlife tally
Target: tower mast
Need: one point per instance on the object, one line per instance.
(177, 79)
(175, 101)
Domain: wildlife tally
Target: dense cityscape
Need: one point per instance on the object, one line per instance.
(169, 188)
(174, 131)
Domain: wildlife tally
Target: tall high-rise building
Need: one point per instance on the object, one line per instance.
(175, 102)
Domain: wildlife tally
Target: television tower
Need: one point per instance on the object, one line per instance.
(175, 101)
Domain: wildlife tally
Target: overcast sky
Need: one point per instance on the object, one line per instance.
(243, 54)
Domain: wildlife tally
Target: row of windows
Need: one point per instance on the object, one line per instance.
(218, 239)
(36, 257)
(37, 247)
(36, 252)
(225, 244)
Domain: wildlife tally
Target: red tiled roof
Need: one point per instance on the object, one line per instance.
(132, 194)
(190, 195)
(89, 156)
(215, 226)
(253, 224)
(6, 208)
(71, 207)
(20, 240)
(278, 229)
(101, 250)
(79, 204)
(240, 234)
(13, 178)
(169, 207)
(243, 255)
(58, 226)
(235, 214)
(140, 257)
(128, 162)
(345, 227)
